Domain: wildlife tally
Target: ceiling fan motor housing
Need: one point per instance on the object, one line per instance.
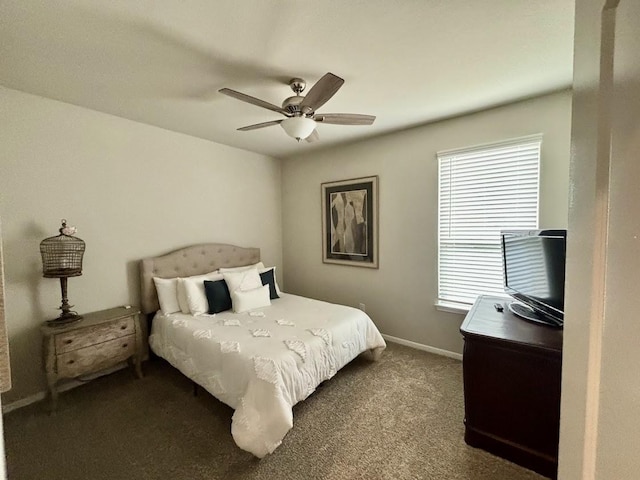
(292, 104)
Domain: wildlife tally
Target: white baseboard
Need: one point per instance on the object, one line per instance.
(37, 397)
(23, 402)
(420, 346)
(62, 387)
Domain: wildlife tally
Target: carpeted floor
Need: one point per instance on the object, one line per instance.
(399, 418)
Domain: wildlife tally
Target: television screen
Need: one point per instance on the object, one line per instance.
(534, 273)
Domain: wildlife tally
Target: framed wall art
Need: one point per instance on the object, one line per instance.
(350, 222)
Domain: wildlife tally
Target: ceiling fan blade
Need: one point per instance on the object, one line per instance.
(314, 137)
(344, 118)
(321, 92)
(253, 101)
(260, 125)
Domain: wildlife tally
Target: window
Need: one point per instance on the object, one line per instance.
(482, 190)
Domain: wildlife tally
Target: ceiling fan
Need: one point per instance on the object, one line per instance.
(300, 110)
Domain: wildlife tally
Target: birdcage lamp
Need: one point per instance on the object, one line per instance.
(62, 258)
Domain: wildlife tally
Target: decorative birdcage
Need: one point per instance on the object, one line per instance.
(62, 258)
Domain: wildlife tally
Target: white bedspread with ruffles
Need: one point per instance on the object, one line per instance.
(263, 362)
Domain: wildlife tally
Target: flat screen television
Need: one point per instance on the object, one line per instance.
(534, 273)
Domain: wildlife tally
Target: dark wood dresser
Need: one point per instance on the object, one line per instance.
(512, 378)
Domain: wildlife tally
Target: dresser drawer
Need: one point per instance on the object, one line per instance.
(73, 340)
(96, 357)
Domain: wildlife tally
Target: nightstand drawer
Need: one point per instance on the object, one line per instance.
(75, 339)
(96, 357)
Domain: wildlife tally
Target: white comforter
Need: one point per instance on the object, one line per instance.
(263, 362)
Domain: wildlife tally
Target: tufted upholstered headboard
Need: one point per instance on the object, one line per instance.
(188, 261)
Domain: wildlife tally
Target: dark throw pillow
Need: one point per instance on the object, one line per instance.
(217, 295)
(267, 279)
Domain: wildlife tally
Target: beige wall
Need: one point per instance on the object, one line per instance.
(400, 295)
(132, 190)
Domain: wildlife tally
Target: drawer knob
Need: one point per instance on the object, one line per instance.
(68, 341)
(70, 362)
(123, 327)
(125, 345)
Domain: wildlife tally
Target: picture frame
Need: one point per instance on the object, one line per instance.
(350, 222)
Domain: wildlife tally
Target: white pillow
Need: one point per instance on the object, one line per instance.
(244, 280)
(182, 296)
(195, 294)
(243, 301)
(182, 293)
(167, 289)
(241, 269)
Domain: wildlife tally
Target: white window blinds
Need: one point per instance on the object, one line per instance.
(483, 190)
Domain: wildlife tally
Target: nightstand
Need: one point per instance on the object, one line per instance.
(99, 341)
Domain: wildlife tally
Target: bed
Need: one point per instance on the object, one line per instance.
(260, 362)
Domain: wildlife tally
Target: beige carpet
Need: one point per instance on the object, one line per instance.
(399, 418)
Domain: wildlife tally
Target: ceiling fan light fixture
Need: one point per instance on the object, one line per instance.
(298, 127)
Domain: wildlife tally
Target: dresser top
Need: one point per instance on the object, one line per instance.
(93, 318)
(484, 321)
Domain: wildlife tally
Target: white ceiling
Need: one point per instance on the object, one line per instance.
(162, 62)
